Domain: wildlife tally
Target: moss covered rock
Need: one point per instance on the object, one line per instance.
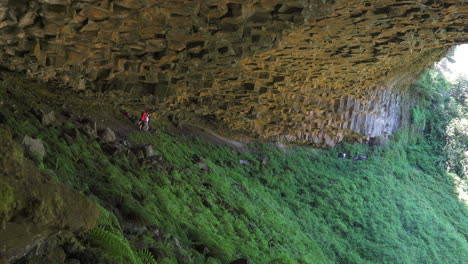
(34, 206)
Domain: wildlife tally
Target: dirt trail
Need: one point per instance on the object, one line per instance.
(104, 115)
(207, 135)
(122, 126)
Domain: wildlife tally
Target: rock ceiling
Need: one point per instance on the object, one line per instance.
(309, 71)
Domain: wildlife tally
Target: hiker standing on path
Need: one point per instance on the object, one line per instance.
(144, 121)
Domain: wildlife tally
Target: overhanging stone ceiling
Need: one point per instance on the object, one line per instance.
(298, 71)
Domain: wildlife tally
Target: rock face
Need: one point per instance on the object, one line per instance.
(34, 206)
(302, 71)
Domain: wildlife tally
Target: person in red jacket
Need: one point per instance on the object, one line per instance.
(144, 121)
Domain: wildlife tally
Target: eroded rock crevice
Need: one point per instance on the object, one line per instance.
(299, 71)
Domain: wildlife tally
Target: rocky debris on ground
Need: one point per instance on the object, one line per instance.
(34, 148)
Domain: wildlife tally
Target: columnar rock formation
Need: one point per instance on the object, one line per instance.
(307, 71)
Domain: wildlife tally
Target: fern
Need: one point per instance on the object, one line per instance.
(118, 248)
(146, 257)
(108, 219)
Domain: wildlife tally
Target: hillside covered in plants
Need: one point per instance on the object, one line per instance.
(166, 196)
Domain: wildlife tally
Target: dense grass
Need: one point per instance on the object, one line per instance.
(294, 205)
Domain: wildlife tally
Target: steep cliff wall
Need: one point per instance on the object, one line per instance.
(300, 71)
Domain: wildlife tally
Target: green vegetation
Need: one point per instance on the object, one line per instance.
(446, 105)
(117, 248)
(195, 203)
(457, 130)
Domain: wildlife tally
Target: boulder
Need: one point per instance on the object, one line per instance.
(48, 119)
(34, 148)
(149, 151)
(107, 135)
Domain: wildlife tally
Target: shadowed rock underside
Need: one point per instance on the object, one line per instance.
(297, 71)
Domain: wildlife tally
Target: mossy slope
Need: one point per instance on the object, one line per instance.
(196, 203)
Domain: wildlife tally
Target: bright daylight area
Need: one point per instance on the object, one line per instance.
(458, 68)
(455, 69)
